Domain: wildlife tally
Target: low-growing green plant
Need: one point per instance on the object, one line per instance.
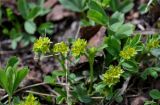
(123, 6)
(23, 28)
(121, 61)
(12, 76)
(123, 55)
(63, 53)
(29, 100)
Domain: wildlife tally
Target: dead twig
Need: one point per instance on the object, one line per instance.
(147, 32)
(41, 94)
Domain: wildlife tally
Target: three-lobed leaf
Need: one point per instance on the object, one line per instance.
(74, 5)
(117, 28)
(97, 13)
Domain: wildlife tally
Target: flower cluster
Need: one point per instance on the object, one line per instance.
(60, 48)
(79, 47)
(128, 52)
(153, 44)
(41, 45)
(30, 100)
(112, 75)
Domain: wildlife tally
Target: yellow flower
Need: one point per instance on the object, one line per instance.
(79, 47)
(112, 75)
(153, 44)
(60, 48)
(42, 45)
(30, 100)
(128, 52)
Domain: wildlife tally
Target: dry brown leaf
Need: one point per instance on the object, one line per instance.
(89, 31)
(97, 39)
(58, 13)
(50, 3)
(138, 100)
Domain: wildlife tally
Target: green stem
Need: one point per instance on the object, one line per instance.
(91, 62)
(9, 100)
(62, 62)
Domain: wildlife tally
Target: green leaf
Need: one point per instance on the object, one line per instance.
(20, 75)
(74, 5)
(150, 103)
(105, 3)
(61, 92)
(154, 74)
(23, 8)
(121, 6)
(125, 31)
(72, 78)
(58, 73)
(55, 74)
(119, 98)
(10, 14)
(12, 62)
(3, 80)
(126, 6)
(40, 3)
(143, 8)
(130, 66)
(14, 33)
(80, 92)
(49, 79)
(30, 27)
(100, 87)
(114, 4)
(135, 40)
(95, 6)
(117, 28)
(46, 28)
(116, 21)
(155, 94)
(33, 13)
(27, 39)
(150, 71)
(10, 78)
(60, 99)
(145, 73)
(97, 14)
(114, 46)
(118, 16)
